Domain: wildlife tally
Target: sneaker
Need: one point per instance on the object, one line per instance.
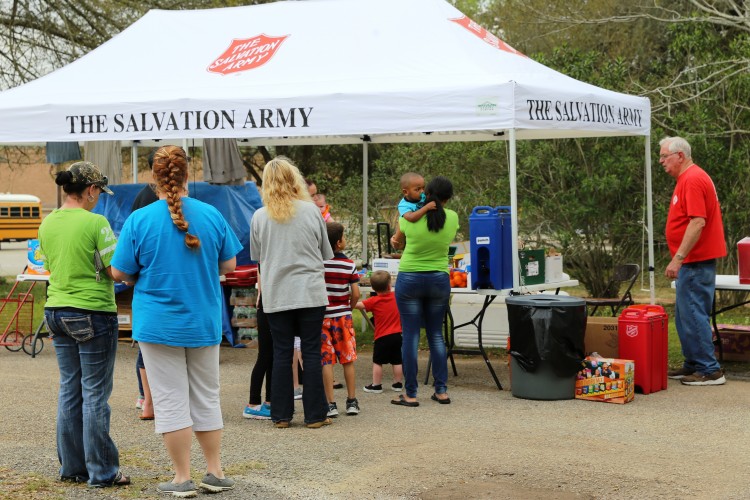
(679, 373)
(377, 389)
(715, 378)
(213, 484)
(298, 393)
(318, 425)
(259, 412)
(352, 406)
(397, 387)
(281, 424)
(139, 403)
(333, 410)
(338, 385)
(185, 489)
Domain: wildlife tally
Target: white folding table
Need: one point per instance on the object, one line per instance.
(489, 296)
(726, 282)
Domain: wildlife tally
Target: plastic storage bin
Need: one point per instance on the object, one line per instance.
(743, 260)
(490, 247)
(642, 332)
(546, 340)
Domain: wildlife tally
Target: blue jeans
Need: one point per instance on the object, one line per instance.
(695, 294)
(307, 324)
(86, 347)
(138, 365)
(422, 299)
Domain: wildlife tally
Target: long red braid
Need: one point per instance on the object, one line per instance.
(170, 173)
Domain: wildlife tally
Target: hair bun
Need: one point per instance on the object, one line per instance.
(62, 178)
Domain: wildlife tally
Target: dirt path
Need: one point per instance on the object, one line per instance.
(686, 442)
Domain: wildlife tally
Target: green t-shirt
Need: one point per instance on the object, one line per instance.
(67, 238)
(426, 250)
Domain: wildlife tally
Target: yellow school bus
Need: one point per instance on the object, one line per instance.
(20, 216)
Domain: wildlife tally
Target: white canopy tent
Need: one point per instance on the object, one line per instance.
(318, 72)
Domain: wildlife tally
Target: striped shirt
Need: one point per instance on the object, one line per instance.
(340, 272)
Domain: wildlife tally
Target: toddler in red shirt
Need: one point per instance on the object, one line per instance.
(387, 349)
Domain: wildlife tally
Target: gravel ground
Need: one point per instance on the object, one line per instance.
(686, 442)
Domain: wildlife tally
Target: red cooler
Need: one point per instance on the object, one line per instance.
(642, 334)
(743, 260)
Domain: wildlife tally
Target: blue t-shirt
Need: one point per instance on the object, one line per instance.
(177, 297)
(406, 206)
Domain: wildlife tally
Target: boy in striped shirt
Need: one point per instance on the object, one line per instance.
(338, 342)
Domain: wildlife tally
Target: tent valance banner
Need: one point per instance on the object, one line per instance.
(311, 69)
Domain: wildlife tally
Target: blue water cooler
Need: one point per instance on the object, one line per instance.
(491, 248)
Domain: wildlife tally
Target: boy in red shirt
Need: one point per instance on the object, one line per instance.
(387, 332)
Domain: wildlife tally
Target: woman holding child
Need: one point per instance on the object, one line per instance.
(423, 289)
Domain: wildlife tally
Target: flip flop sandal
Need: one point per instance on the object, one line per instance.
(401, 401)
(119, 480)
(445, 401)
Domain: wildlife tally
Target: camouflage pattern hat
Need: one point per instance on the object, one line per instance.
(85, 172)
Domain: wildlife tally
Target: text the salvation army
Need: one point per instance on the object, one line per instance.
(581, 111)
(189, 120)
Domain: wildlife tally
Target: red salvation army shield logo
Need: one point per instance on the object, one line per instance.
(245, 54)
(631, 330)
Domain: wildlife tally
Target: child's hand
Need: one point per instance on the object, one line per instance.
(430, 206)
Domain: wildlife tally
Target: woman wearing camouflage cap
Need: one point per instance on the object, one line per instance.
(82, 318)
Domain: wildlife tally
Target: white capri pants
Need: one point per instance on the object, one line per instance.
(184, 385)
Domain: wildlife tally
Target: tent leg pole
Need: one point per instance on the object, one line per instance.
(365, 176)
(514, 205)
(650, 220)
(134, 161)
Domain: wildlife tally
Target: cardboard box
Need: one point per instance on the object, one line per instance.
(601, 336)
(461, 260)
(735, 341)
(124, 301)
(606, 379)
(553, 269)
(532, 267)
(390, 265)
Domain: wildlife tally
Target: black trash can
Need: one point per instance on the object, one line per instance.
(546, 345)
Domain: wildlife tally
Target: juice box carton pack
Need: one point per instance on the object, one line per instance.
(35, 260)
(606, 379)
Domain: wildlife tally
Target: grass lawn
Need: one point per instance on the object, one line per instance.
(9, 309)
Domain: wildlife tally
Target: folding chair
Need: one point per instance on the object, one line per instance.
(623, 273)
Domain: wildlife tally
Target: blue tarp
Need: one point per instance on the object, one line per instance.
(236, 203)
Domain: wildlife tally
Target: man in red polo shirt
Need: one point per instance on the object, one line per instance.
(695, 236)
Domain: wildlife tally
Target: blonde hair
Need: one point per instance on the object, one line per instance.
(282, 184)
(170, 174)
